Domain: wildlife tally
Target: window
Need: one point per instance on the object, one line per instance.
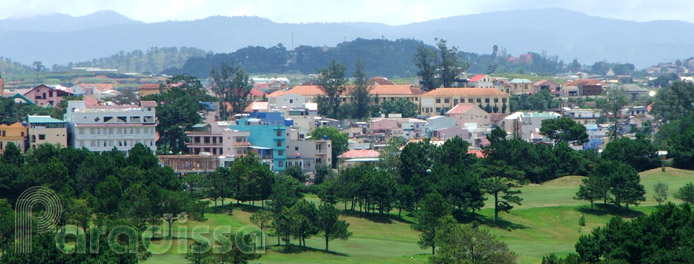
(455, 101)
(479, 100)
(122, 119)
(280, 152)
(279, 143)
(296, 148)
(486, 100)
(80, 131)
(279, 132)
(438, 100)
(42, 137)
(469, 100)
(291, 101)
(107, 119)
(496, 100)
(135, 119)
(446, 100)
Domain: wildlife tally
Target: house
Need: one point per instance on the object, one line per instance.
(481, 81)
(100, 128)
(149, 89)
(438, 122)
(44, 129)
(526, 125)
(15, 133)
(268, 139)
(549, 85)
(281, 99)
(380, 93)
(633, 91)
(522, 86)
(43, 95)
(582, 116)
(582, 87)
(467, 114)
(307, 153)
(355, 157)
(450, 132)
(442, 100)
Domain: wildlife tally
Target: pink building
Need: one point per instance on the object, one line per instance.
(43, 95)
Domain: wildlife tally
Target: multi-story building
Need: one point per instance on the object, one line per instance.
(549, 85)
(104, 127)
(44, 129)
(267, 139)
(582, 116)
(481, 81)
(470, 115)
(522, 86)
(301, 94)
(441, 100)
(526, 125)
(43, 95)
(582, 87)
(15, 133)
(307, 153)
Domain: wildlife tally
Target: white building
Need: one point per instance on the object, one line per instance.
(104, 127)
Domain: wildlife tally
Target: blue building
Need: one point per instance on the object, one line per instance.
(268, 137)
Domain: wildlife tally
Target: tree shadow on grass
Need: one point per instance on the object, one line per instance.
(609, 209)
(298, 250)
(376, 217)
(489, 221)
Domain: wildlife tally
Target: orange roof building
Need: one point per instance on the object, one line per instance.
(442, 100)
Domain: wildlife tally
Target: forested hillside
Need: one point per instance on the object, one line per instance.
(153, 60)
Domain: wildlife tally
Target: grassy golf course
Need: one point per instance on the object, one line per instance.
(546, 222)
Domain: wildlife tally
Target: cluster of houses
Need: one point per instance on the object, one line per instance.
(277, 125)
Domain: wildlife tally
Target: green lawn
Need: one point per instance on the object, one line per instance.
(546, 222)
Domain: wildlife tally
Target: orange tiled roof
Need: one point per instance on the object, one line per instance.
(464, 92)
(477, 77)
(257, 93)
(305, 90)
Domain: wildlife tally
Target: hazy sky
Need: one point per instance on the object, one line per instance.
(392, 12)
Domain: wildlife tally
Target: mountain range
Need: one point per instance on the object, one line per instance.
(59, 39)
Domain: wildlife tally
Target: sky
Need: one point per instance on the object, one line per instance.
(391, 12)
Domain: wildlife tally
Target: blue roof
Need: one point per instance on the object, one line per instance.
(43, 119)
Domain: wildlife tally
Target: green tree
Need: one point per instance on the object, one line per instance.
(231, 253)
(38, 67)
(660, 195)
(323, 172)
(686, 193)
(329, 224)
(178, 109)
(498, 179)
(361, 99)
(231, 85)
(6, 226)
(12, 155)
(451, 65)
(426, 60)
(468, 244)
(199, 253)
(682, 149)
(339, 140)
(304, 221)
(332, 82)
(593, 188)
(262, 219)
(401, 106)
(432, 210)
(173, 206)
(676, 101)
(296, 172)
(639, 153)
(615, 102)
(564, 129)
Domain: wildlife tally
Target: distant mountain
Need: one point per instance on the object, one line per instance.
(65, 23)
(555, 31)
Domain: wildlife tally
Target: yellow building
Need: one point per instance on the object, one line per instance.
(14, 133)
(442, 100)
(44, 129)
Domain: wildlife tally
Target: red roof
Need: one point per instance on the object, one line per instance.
(476, 152)
(257, 93)
(379, 81)
(584, 82)
(460, 109)
(477, 77)
(464, 92)
(148, 103)
(352, 154)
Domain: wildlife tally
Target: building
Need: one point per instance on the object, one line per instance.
(582, 87)
(582, 116)
(442, 100)
(15, 133)
(522, 86)
(481, 81)
(104, 127)
(44, 129)
(43, 95)
(150, 89)
(634, 92)
(267, 139)
(308, 153)
(355, 157)
(470, 115)
(549, 85)
(526, 125)
(309, 94)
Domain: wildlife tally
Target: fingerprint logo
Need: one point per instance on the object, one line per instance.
(37, 207)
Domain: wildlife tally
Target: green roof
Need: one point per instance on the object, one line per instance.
(43, 119)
